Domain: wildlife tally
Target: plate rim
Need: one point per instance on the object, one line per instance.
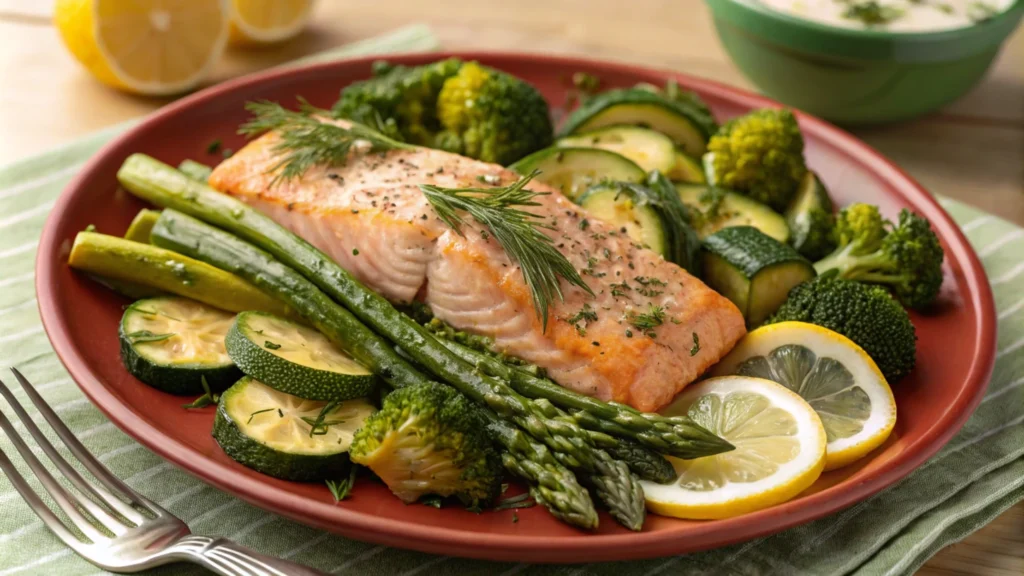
(580, 547)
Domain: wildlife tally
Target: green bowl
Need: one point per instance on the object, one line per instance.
(857, 76)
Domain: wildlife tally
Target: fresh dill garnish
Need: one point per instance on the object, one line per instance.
(271, 345)
(872, 13)
(141, 336)
(648, 281)
(620, 289)
(206, 399)
(648, 321)
(253, 415)
(585, 315)
(306, 142)
(518, 232)
(696, 345)
(341, 489)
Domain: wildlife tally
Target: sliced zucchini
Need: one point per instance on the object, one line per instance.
(753, 270)
(687, 169)
(720, 209)
(649, 149)
(195, 170)
(294, 359)
(573, 170)
(273, 432)
(810, 219)
(628, 207)
(142, 225)
(687, 124)
(174, 343)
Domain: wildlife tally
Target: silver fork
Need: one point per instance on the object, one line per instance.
(140, 540)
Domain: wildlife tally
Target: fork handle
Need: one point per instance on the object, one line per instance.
(225, 557)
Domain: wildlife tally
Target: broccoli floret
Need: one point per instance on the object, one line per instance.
(761, 155)
(866, 314)
(429, 439)
(461, 107)
(905, 257)
(399, 101)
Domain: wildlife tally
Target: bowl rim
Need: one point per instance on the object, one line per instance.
(461, 542)
(867, 44)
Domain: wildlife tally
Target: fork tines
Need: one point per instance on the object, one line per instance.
(97, 506)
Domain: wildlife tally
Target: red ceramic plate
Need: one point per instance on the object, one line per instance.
(81, 320)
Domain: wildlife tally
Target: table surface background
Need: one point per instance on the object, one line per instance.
(973, 150)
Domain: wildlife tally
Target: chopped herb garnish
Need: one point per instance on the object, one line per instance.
(271, 345)
(648, 321)
(518, 232)
(696, 345)
(355, 251)
(521, 501)
(515, 517)
(620, 289)
(649, 292)
(141, 336)
(341, 489)
(318, 425)
(584, 224)
(206, 399)
(227, 153)
(253, 415)
(981, 11)
(584, 316)
(648, 281)
(213, 147)
(872, 13)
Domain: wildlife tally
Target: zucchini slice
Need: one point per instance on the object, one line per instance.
(142, 225)
(810, 219)
(685, 123)
(687, 169)
(295, 359)
(649, 149)
(174, 343)
(721, 209)
(753, 270)
(272, 432)
(573, 170)
(630, 208)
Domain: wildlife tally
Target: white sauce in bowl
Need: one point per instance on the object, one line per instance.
(893, 15)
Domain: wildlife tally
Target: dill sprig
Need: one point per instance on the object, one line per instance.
(305, 141)
(518, 232)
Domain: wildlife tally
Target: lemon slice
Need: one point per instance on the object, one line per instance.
(149, 47)
(834, 375)
(780, 450)
(262, 21)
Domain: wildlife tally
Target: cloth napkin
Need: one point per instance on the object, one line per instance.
(979, 474)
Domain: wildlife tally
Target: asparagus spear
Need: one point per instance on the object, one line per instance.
(161, 184)
(551, 484)
(676, 436)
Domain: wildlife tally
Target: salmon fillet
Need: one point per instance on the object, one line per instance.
(372, 219)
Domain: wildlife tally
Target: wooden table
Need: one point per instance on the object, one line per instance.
(973, 150)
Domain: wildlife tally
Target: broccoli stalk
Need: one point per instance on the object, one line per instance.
(905, 257)
(863, 313)
(429, 439)
(760, 154)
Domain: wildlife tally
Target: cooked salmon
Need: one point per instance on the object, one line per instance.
(633, 342)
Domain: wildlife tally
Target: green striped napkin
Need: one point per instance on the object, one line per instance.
(977, 476)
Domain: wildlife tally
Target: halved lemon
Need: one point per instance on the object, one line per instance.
(152, 47)
(828, 370)
(263, 21)
(780, 450)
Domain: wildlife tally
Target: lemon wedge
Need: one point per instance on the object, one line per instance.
(264, 21)
(151, 47)
(828, 370)
(780, 450)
